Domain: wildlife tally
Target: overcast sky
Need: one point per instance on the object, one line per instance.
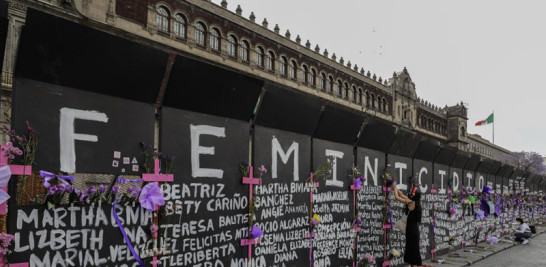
(489, 54)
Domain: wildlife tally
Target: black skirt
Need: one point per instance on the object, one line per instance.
(412, 255)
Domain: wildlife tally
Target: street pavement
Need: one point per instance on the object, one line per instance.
(505, 252)
(532, 254)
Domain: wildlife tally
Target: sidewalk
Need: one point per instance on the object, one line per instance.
(472, 255)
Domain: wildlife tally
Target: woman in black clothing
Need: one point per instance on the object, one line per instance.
(413, 209)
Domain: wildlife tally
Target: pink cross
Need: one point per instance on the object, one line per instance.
(433, 191)
(433, 252)
(355, 188)
(15, 169)
(249, 242)
(157, 177)
(250, 181)
(312, 235)
(357, 228)
(23, 264)
(312, 185)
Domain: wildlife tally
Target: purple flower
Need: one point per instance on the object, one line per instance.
(82, 196)
(68, 188)
(389, 182)
(256, 231)
(18, 151)
(52, 190)
(115, 189)
(358, 182)
(314, 222)
(60, 188)
(480, 215)
(90, 190)
(102, 188)
(358, 221)
(29, 129)
(151, 196)
(452, 211)
(154, 228)
(135, 191)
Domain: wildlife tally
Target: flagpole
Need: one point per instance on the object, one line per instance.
(493, 127)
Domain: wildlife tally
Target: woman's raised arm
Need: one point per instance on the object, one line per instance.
(399, 196)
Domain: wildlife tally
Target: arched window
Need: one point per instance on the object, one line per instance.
(162, 19)
(354, 94)
(384, 105)
(179, 26)
(368, 100)
(200, 33)
(305, 74)
(330, 85)
(259, 56)
(373, 101)
(312, 77)
(270, 61)
(322, 82)
(346, 91)
(292, 69)
(379, 103)
(282, 66)
(339, 88)
(243, 53)
(359, 99)
(232, 46)
(214, 39)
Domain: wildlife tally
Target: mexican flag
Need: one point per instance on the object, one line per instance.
(486, 121)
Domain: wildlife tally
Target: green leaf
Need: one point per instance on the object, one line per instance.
(50, 205)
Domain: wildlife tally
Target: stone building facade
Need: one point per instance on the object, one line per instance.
(217, 35)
